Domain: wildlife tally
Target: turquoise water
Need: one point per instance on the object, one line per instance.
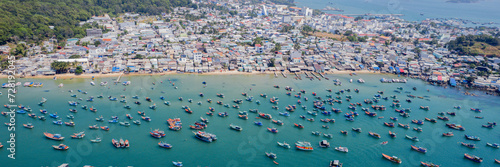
(484, 11)
(246, 148)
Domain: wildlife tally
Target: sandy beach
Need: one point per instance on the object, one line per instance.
(71, 75)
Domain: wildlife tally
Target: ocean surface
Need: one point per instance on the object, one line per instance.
(248, 147)
(483, 11)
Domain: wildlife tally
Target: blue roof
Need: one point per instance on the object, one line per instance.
(453, 82)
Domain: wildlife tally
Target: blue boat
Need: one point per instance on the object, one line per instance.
(177, 163)
(58, 122)
(258, 123)
(21, 111)
(54, 115)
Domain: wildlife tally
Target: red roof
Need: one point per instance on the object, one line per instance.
(440, 78)
(258, 45)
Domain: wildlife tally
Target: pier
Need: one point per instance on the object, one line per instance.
(119, 77)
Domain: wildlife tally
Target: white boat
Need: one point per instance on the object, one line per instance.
(92, 83)
(60, 85)
(96, 140)
(342, 149)
(284, 144)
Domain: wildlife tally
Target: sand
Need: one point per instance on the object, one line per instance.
(234, 72)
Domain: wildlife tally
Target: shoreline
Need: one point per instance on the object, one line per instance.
(71, 75)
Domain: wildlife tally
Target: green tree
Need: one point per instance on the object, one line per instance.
(97, 43)
(79, 70)
(60, 67)
(75, 56)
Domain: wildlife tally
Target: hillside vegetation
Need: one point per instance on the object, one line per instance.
(29, 20)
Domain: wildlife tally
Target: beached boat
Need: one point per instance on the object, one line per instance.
(419, 149)
(473, 158)
(60, 147)
(392, 158)
(53, 136)
(303, 145)
(284, 144)
(342, 149)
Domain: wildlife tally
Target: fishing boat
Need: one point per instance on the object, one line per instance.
(258, 123)
(78, 135)
(137, 122)
(271, 155)
(419, 149)
(469, 137)
(335, 163)
(178, 163)
(473, 158)
(344, 132)
(100, 118)
(303, 145)
(412, 138)
(60, 147)
(71, 110)
(278, 122)
(428, 164)
(205, 120)
(392, 158)
(300, 126)
(392, 134)
(390, 124)
(272, 130)
(204, 136)
(317, 133)
(235, 127)
(164, 145)
(146, 118)
(106, 128)
(96, 140)
(418, 129)
(406, 126)
(418, 122)
(494, 145)
(375, 135)
(174, 124)
(449, 134)
(53, 136)
(342, 149)
(58, 122)
(125, 123)
(357, 129)
(284, 144)
(54, 115)
(470, 145)
(94, 127)
(157, 133)
(28, 125)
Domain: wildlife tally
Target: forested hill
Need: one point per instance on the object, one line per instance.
(29, 20)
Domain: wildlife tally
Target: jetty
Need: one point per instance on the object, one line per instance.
(298, 76)
(283, 73)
